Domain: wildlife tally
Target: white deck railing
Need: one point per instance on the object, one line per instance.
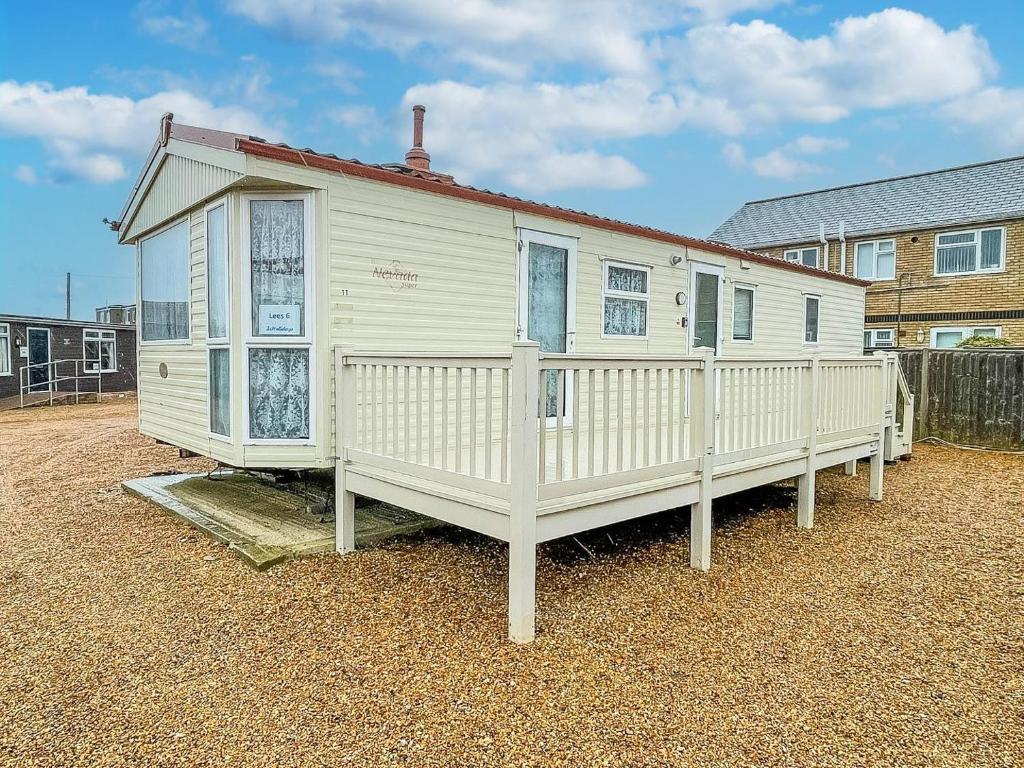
(609, 420)
(528, 447)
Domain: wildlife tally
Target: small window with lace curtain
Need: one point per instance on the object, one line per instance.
(743, 313)
(627, 292)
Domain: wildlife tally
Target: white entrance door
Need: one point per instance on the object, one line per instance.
(705, 310)
(547, 304)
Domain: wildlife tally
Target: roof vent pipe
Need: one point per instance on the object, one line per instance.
(417, 157)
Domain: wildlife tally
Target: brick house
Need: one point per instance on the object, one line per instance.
(103, 353)
(944, 249)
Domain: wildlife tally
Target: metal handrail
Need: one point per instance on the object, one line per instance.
(81, 372)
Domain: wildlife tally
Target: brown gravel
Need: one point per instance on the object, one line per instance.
(892, 634)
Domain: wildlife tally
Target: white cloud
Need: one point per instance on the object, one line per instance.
(787, 161)
(188, 29)
(542, 136)
(995, 113)
(90, 136)
(26, 174)
(888, 59)
(342, 74)
(498, 37)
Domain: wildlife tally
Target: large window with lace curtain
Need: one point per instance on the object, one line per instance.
(277, 235)
(627, 291)
(164, 261)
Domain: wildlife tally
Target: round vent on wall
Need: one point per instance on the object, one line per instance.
(163, 370)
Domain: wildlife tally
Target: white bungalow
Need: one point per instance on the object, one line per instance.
(519, 369)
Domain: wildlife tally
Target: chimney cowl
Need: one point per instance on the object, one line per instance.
(417, 157)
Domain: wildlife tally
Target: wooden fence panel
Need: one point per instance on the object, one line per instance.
(972, 397)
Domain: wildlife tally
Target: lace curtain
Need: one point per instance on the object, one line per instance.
(276, 238)
(278, 394)
(548, 278)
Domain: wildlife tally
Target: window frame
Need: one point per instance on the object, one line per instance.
(817, 330)
(5, 332)
(753, 303)
(607, 293)
(228, 438)
(307, 341)
(187, 341)
(872, 333)
(99, 339)
(874, 259)
(965, 332)
(976, 232)
(223, 201)
(799, 252)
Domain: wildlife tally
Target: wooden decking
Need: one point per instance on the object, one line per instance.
(462, 439)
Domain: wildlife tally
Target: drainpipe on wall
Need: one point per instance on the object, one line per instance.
(842, 247)
(824, 242)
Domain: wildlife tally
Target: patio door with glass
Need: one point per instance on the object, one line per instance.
(38, 356)
(705, 308)
(547, 304)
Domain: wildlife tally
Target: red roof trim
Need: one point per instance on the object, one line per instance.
(375, 173)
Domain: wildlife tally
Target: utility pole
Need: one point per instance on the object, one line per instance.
(67, 293)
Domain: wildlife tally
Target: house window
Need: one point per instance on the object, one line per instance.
(743, 313)
(812, 304)
(5, 349)
(217, 271)
(879, 337)
(220, 391)
(876, 260)
(627, 291)
(806, 256)
(165, 284)
(277, 238)
(278, 393)
(970, 252)
(947, 338)
(99, 350)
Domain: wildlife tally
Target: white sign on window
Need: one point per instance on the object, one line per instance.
(279, 320)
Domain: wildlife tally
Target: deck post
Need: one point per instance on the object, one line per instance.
(805, 482)
(522, 529)
(850, 468)
(878, 457)
(344, 421)
(700, 512)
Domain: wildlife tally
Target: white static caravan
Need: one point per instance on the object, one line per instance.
(519, 369)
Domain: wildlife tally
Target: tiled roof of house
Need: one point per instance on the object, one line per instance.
(969, 194)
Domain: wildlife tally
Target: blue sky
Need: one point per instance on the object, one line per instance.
(665, 113)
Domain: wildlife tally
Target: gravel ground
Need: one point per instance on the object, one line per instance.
(891, 634)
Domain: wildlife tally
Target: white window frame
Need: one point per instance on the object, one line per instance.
(100, 336)
(209, 394)
(874, 259)
(803, 327)
(753, 304)
(187, 341)
(607, 293)
(796, 255)
(977, 244)
(966, 331)
(5, 332)
(873, 334)
(306, 341)
(216, 340)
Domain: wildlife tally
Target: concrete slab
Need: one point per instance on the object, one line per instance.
(262, 524)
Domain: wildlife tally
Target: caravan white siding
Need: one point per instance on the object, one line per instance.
(402, 270)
